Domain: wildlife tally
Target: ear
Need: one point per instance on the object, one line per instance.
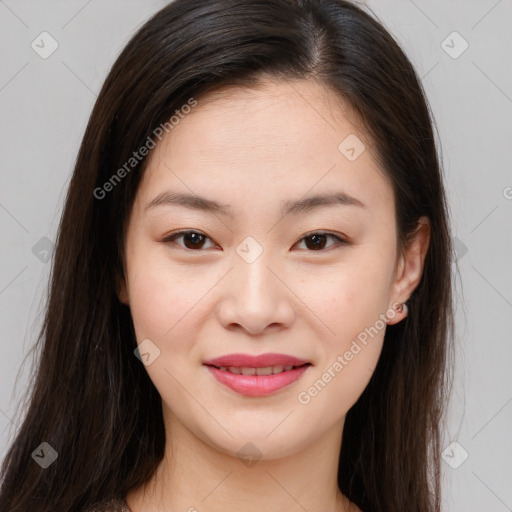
(410, 268)
(122, 291)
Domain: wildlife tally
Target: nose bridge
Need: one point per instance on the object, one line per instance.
(252, 274)
(255, 297)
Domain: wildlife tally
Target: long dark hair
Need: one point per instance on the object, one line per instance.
(91, 399)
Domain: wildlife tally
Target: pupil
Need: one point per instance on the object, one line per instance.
(318, 243)
(196, 241)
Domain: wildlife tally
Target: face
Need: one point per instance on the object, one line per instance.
(257, 274)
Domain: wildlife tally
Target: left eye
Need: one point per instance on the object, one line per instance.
(195, 240)
(317, 240)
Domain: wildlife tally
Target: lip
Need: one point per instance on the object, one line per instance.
(257, 385)
(260, 361)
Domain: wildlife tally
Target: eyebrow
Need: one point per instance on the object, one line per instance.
(294, 207)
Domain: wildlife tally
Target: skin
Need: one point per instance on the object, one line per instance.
(253, 149)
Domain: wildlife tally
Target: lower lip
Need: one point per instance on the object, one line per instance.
(257, 385)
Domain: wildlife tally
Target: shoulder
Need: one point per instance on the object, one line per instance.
(111, 505)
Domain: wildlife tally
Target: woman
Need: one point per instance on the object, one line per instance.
(250, 303)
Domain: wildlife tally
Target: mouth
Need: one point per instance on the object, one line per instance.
(257, 375)
(262, 370)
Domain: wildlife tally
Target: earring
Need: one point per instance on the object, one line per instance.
(402, 306)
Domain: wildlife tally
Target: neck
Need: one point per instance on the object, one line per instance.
(210, 480)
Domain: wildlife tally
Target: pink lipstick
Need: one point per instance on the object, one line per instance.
(257, 375)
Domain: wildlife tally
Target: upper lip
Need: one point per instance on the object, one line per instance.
(260, 361)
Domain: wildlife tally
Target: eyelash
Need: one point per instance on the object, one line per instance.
(340, 241)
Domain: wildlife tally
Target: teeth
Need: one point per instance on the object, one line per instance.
(266, 370)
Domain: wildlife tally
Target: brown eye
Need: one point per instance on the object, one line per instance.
(191, 239)
(317, 241)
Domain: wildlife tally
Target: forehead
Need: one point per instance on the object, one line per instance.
(268, 115)
(279, 138)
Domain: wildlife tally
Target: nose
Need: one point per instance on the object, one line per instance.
(256, 297)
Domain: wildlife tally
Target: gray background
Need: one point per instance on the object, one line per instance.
(45, 104)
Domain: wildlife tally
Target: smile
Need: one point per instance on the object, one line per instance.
(257, 381)
(265, 370)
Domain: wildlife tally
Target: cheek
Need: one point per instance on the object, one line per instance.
(351, 306)
(351, 302)
(164, 300)
(349, 296)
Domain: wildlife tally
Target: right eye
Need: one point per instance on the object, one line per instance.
(192, 239)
